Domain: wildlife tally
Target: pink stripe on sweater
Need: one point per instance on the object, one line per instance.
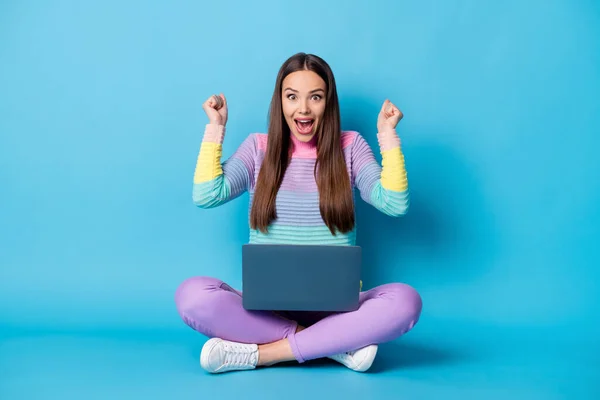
(214, 133)
(261, 139)
(388, 140)
(347, 137)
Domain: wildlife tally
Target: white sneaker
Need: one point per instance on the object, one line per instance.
(220, 355)
(358, 360)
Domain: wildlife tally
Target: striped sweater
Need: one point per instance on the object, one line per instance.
(299, 219)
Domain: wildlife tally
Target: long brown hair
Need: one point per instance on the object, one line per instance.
(335, 194)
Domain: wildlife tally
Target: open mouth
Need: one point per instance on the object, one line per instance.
(304, 125)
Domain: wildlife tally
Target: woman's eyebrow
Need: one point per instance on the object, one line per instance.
(312, 91)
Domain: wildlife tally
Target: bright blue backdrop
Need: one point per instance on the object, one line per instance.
(101, 122)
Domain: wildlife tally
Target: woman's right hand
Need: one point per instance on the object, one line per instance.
(216, 109)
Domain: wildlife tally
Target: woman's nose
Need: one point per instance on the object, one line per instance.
(304, 109)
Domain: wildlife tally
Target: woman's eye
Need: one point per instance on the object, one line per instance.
(291, 96)
(317, 97)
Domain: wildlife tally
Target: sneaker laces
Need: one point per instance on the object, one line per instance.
(238, 354)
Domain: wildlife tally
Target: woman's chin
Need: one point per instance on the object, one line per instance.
(303, 137)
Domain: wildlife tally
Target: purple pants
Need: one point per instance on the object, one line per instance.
(214, 309)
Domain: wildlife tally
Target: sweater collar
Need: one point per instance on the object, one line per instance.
(301, 147)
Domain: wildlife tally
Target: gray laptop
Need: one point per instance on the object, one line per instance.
(282, 277)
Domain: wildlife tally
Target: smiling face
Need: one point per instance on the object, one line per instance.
(303, 103)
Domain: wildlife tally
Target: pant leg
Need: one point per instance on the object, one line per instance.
(213, 308)
(385, 313)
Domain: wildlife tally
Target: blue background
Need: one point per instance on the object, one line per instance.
(100, 126)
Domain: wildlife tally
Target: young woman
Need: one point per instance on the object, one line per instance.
(300, 178)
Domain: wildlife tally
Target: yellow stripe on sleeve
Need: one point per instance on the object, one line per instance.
(208, 164)
(393, 172)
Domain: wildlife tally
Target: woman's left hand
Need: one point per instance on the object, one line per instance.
(389, 116)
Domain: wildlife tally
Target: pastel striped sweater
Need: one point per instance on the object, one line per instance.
(299, 219)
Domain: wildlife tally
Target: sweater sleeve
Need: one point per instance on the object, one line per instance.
(383, 186)
(217, 182)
